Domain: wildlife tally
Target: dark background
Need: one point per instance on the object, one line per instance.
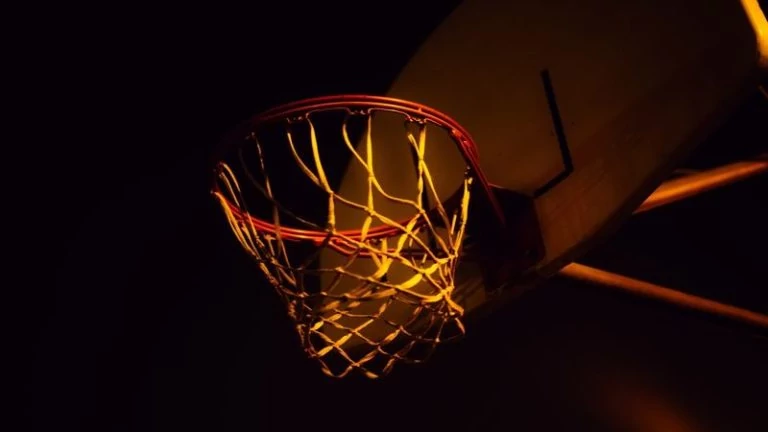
(156, 320)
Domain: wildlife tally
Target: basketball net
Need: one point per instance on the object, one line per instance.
(374, 322)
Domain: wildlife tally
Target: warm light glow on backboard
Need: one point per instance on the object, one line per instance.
(759, 23)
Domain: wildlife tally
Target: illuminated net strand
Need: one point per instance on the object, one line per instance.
(311, 316)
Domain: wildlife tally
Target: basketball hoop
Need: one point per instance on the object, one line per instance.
(387, 294)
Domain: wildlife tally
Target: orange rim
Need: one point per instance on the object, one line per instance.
(412, 110)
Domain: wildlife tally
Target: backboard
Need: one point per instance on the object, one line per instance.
(578, 111)
(583, 106)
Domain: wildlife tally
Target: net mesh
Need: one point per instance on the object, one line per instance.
(387, 295)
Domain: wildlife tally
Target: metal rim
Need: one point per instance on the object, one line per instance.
(413, 111)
